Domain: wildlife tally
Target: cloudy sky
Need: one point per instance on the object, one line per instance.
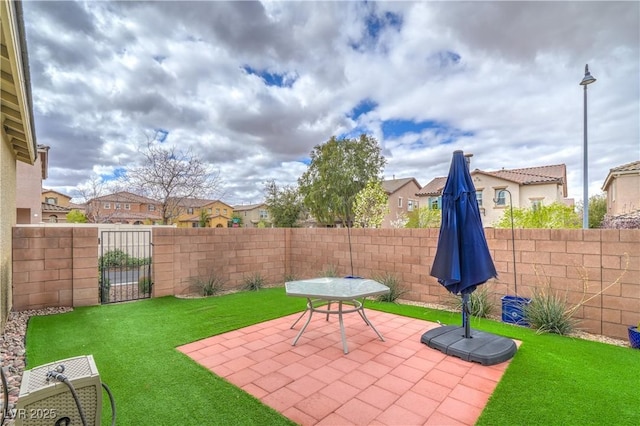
(252, 87)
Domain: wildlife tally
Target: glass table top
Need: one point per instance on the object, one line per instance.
(335, 288)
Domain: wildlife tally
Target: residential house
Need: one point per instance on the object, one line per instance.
(124, 207)
(497, 191)
(252, 214)
(402, 198)
(29, 187)
(56, 205)
(218, 214)
(18, 143)
(622, 186)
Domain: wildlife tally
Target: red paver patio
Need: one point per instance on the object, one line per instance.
(400, 381)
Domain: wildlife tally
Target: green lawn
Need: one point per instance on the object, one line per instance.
(551, 380)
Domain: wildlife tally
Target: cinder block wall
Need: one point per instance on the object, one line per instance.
(182, 254)
(58, 266)
(54, 267)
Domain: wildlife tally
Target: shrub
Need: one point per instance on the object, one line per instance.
(548, 313)
(289, 277)
(330, 271)
(209, 285)
(254, 282)
(480, 302)
(114, 258)
(395, 289)
(144, 284)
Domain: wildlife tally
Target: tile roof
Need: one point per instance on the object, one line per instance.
(392, 185)
(243, 207)
(434, 187)
(532, 175)
(629, 167)
(54, 208)
(527, 176)
(125, 196)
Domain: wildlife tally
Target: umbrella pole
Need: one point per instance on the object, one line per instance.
(465, 316)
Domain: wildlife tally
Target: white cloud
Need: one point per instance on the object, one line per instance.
(503, 75)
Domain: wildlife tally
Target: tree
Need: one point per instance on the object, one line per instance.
(76, 216)
(89, 193)
(339, 169)
(554, 216)
(284, 204)
(203, 220)
(597, 210)
(371, 205)
(171, 176)
(424, 217)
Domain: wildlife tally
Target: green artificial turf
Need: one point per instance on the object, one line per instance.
(552, 380)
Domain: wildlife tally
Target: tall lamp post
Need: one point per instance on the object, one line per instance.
(588, 79)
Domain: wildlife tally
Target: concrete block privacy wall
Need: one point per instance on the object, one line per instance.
(58, 266)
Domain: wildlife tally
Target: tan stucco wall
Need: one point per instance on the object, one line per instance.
(624, 194)
(407, 192)
(29, 189)
(7, 220)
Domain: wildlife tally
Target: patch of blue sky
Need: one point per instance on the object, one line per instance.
(272, 78)
(161, 135)
(365, 106)
(306, 161)
(444, 133)
(375, 24)
(115, 175)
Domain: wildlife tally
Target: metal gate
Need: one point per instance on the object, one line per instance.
(125, 266)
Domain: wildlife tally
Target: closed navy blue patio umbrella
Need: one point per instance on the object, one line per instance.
(462, 260)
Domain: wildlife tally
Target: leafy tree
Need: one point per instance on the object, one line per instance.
(203, 220)
(171, 176)
(597, 210)
(237, 219)
(76, 216)
(554, 216)
(400, 221)
(424, 217)
(284, 204)
(339, 169)
(371, 205)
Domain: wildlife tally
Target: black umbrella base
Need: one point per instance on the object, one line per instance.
(485, 348)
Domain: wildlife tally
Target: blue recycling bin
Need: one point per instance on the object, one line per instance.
(513, 310)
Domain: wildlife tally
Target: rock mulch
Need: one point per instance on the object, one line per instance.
(12, 348)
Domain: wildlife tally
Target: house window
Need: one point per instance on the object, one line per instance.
(479, 198)
(53, 218)
(106, 206)
(410, 205)
(218, 212)
(209, 210)
(264, 214)
(224, 212)
(116, 206)
(501, 198)
(434, 203)
(50, 200)
(400, 202)
(151, 208)
(190, 210)
(536, 204)
(127, 206)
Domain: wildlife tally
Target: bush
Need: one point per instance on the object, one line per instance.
(114, 258)
(209, 285)
(329, 271)
(480, 302)
(254, 282)
(395, 289)
(548, 313)
(144, 284)
(289, 277)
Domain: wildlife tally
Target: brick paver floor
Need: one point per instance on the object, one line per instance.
(399, 381)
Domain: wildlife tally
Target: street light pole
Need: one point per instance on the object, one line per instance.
(588, 79)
